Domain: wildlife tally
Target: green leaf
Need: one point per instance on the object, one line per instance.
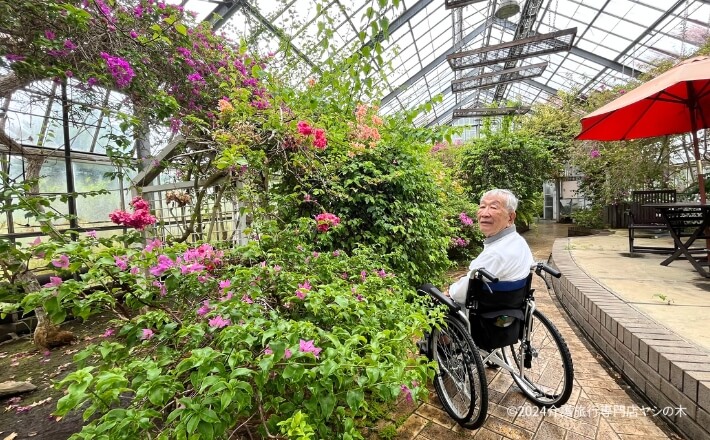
(328, 367)
(327, 404)
(181, 29)
(294, 371)
(355, 399)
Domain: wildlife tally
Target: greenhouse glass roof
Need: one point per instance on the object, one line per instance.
(612, 42)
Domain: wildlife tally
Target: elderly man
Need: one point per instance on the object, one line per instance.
(505, 253)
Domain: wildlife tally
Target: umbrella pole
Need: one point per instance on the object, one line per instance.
(701, 182)
(699, 163)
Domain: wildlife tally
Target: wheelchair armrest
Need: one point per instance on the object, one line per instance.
(439, 297)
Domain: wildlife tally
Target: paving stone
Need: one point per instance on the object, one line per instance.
(436, 415)
(411, 427)
(433, 431)
(549, 431)
(486, 434)
(507, 430)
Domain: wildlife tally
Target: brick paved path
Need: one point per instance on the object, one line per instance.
(601, 406)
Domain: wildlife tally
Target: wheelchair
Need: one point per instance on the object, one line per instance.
(499, 325)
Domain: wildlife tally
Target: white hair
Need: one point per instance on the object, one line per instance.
(511, 202)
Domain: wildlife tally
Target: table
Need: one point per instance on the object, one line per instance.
(689, 220)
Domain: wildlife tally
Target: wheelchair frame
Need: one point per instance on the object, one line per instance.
(536, 383)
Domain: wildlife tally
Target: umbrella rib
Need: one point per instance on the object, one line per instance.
(674, 97)
(631, 126)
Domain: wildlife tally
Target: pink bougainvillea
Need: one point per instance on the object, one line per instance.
(465, 219)
(309, 347)
(326, 221)
(118, 68)
(139, 219)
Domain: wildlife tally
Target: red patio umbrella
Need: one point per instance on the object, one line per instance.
(678, 101)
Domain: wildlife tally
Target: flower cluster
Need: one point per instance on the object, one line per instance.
(326, 221)
(365, 130)
(139, 219)
(319, 140)
(438, 147)
(180, 198)
(459, 242)
(120, 69)
(594, 153)
(465, 219)
(302, 289)
(309, 347)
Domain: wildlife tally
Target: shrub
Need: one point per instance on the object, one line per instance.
(273, 337)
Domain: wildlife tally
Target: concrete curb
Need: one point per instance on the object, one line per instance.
(671, 373)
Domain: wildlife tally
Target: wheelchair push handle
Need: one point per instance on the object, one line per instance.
(483, 273)
(538, 267)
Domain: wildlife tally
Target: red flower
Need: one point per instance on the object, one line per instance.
(326, 220)
(304, 128)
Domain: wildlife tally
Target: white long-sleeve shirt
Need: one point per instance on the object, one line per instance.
(505, 255)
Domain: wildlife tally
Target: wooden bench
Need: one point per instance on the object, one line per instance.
(648, 219)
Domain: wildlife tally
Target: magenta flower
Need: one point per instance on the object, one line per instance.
(594, 154)
(459, 242)
(304, 128)
(108, 333)
(227, 297)
(119, 68)
(277, 268)
(320, 141)
(121, 262)
(164, 263)
(219, 322)
(37, 241)
(152, 245)
(133, 34)
(49, 35)
(308, 347)
(139, 203)
(91, 234)
(54, 282)
(224, 285)
(69, 44)
(205, 309)
(288, 354)
(268, 351)
(247, 299)
(161, 286)
(147, 334)
(194, 77)
(14, 57)
(363, 275)
(326, 221)
(62, 262)
(407, 392)
(465, 219)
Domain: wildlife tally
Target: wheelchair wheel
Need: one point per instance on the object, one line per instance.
(460, 381)
(542, 364)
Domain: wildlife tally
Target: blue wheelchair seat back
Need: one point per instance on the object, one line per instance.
(497, 310)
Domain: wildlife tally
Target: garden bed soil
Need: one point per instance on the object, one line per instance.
(30, 415)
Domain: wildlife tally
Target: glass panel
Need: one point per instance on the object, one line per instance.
(94, 211)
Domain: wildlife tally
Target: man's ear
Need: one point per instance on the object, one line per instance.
(512, 217)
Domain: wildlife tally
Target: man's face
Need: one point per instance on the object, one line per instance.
(493, 216)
